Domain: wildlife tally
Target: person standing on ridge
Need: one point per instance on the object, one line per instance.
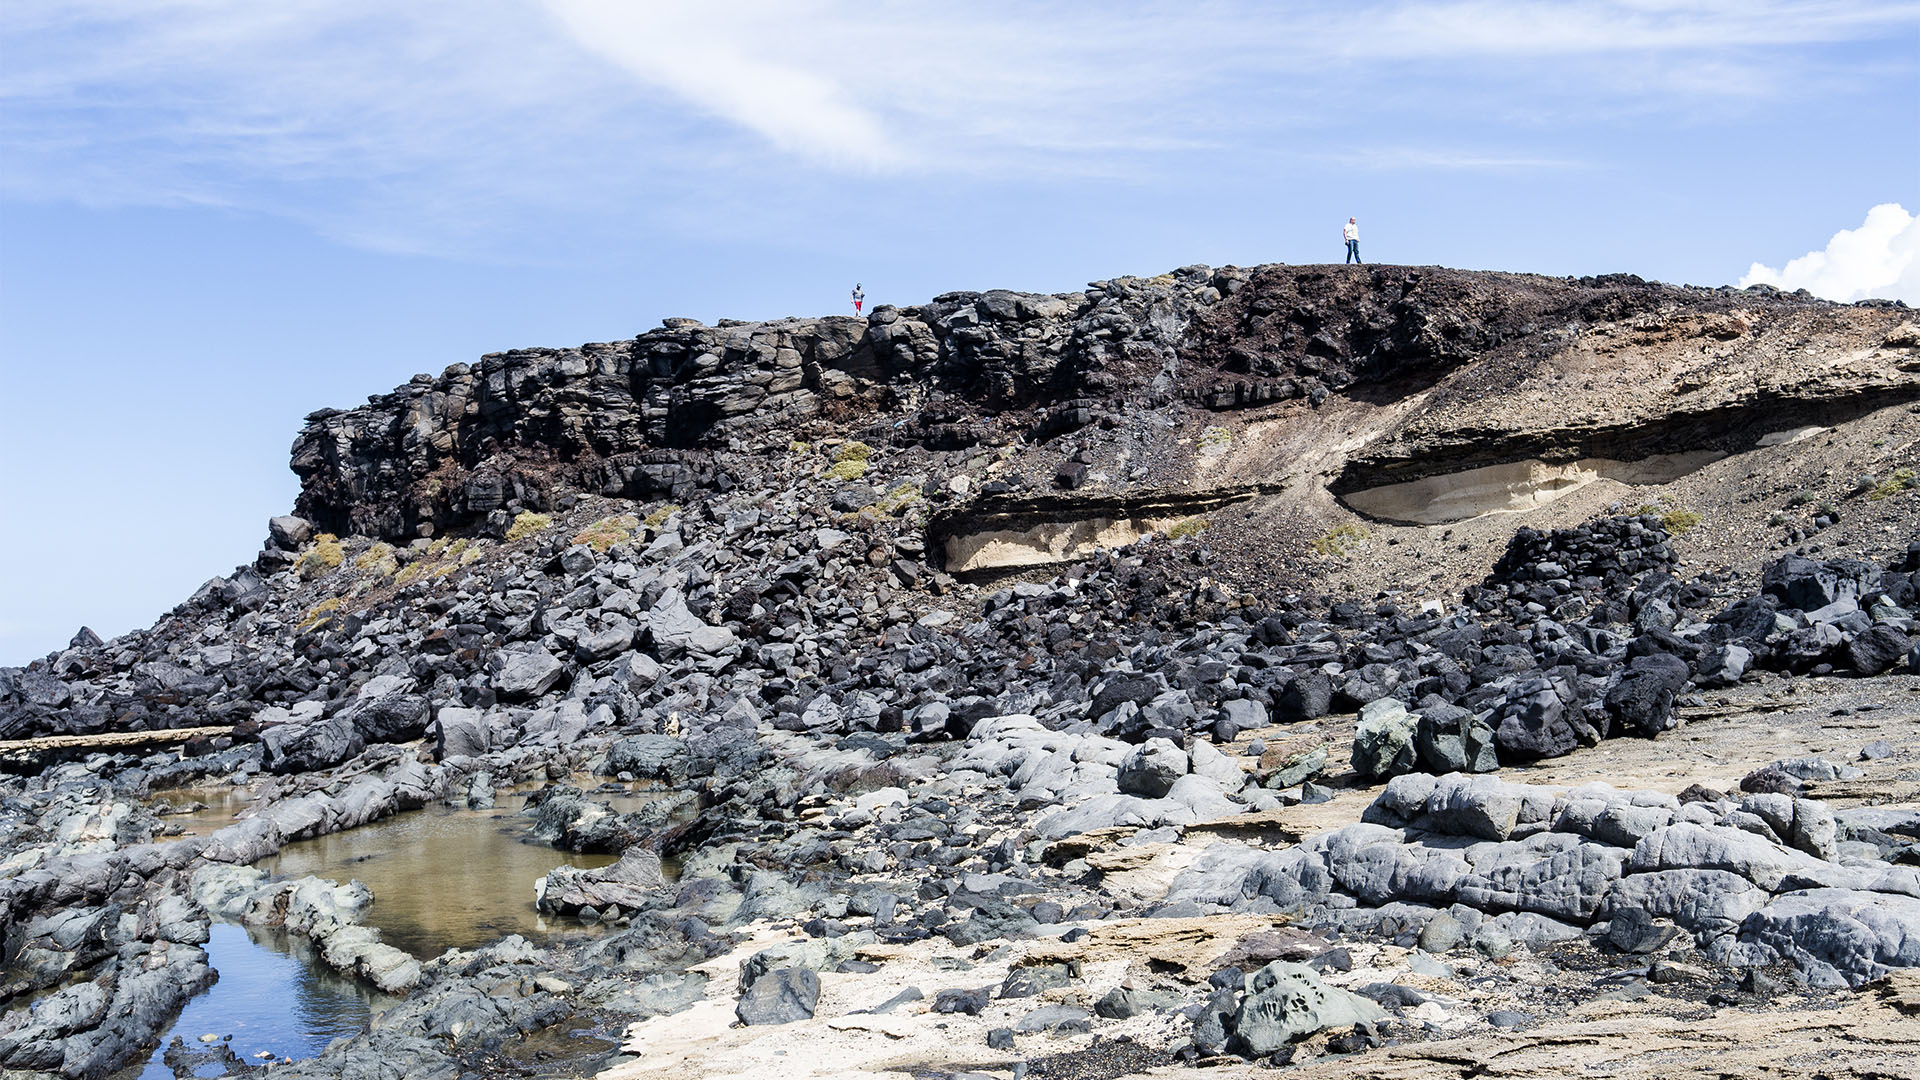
(1351, 231)
(859, 297)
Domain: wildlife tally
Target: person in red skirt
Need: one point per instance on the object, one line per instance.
(859, 297)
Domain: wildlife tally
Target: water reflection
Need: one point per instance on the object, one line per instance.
(441, 878)
(198, 811)
(273, 996)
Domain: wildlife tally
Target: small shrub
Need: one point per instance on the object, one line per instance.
(1901, 480)
(1864, 483)
(319, 612)
(1777, 519)
(325, 554)
(526, 523)
(454, 549)
(1678, 521)
(411, 572)
(472, 555)
(852, 450)
(607, 532)
(1826, 508)
(1338, 539)
(1215, 439)
(1800, 498)
(659, 517)
(798, 447)
(1182, 529)
(379, 559)
(900, 498)
(850, 469)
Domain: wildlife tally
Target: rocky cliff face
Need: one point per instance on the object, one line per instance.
(652, 417)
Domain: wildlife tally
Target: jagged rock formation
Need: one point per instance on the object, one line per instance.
(642, 418)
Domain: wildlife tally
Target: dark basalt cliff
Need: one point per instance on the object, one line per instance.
(643, 418)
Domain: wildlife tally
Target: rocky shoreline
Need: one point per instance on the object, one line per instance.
(1123, 811)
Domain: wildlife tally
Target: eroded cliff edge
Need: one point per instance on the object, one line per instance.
(1356, 378)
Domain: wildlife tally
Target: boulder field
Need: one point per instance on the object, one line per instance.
(1375, 668)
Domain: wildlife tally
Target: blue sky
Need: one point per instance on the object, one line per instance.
(219, 215)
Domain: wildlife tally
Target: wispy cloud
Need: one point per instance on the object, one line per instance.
(434, 122)
(1391, 158)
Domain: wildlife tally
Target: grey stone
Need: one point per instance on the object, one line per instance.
(1287, 1002)
(1686, 846)
(781, 996)
(635, 883)
(1443, 933)
(1383, 741)
(1384, 871)
(1152, 769)
(650, 757)
(1635, 931)
(1056, 1018)
(1642, 699)
(1722, 666)
(1878, 650)
(1452, 739)
(322, 744)
(1839, 937)
(523, 674)
(969, 1002)
(1305, 697)
(1550, 874)
(1707, 902)
(459, 732)
(288, 532)
(1125, 1003)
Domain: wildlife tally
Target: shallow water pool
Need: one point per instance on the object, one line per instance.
(441, 878)
(273, 996)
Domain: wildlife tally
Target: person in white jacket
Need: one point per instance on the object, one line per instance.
(1351, 231)
(859, 297)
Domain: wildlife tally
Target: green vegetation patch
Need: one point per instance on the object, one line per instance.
(526, 523)
(1338, 539)
(852, 450)
(1215, 439)
(903, 496)
(608, 531)
(1678, 521)
(659, 517)
(850, 469)
(378, 559)
(1901, 480)
(320, 612)
(1186, 527)
(325, 554)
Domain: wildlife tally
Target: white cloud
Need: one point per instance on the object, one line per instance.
(1881, 259)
